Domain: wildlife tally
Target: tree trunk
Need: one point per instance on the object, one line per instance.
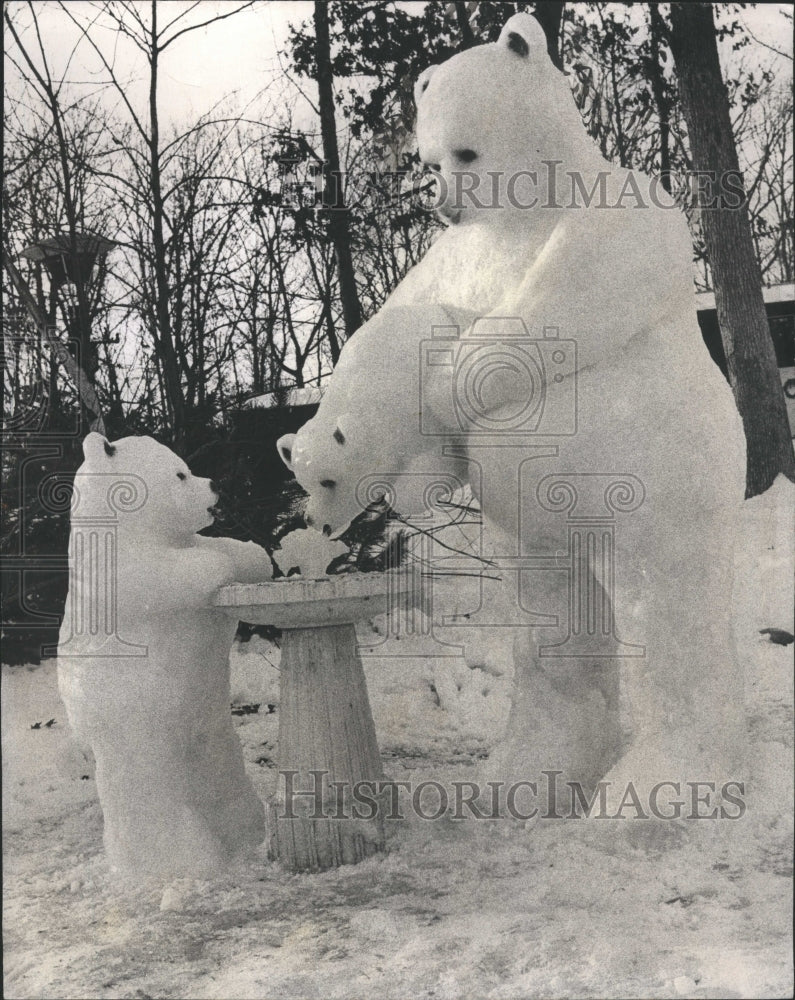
(333, 201)
(467, 35)
(549, 14)
(656, 40)
(737, 278)
(115, 403)
(171, 371)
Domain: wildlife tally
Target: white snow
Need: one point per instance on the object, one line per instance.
(309, 550)
(454, 909)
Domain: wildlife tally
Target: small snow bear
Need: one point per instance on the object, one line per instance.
(559, 301)
(143, 662)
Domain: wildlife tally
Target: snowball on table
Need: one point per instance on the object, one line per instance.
(309, 550)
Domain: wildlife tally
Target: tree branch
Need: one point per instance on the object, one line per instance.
(162, 46)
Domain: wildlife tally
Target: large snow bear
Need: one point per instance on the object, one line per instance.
(569, 275)
(143, 665)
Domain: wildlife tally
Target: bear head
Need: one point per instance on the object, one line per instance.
(352, 461)
(142, 486)
(493, 113)
(329, 455)
(491, 119)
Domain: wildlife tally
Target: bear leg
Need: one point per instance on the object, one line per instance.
(565, 711)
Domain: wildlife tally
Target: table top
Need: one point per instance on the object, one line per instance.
(296, 602)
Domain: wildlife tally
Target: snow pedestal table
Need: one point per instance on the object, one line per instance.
(327, 811)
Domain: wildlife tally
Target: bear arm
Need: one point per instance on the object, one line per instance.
(162, 580)
(387, 346)
(605, 285)
(380, 366)
(252, 563)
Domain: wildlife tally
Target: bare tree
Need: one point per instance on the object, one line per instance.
(767, 167)
(59, 149)
(333, 196)
(152, 39)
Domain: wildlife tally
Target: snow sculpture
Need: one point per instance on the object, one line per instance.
(143, 659)
(567, 247)
(308, 550)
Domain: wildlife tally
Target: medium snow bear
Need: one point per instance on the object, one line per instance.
(143, 663)
(573, 282)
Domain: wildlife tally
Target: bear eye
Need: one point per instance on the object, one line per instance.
(329, 484)
(181, 475)
(466, 155)
(338, 436)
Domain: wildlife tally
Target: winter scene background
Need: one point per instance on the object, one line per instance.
(182, 265)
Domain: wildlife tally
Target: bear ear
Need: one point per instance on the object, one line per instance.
(285, 448)
(521, 33)
(96, 447)
(422, 82)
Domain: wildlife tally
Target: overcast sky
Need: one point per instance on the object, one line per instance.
(242, 53)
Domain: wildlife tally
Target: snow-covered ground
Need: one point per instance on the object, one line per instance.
(455, 909)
